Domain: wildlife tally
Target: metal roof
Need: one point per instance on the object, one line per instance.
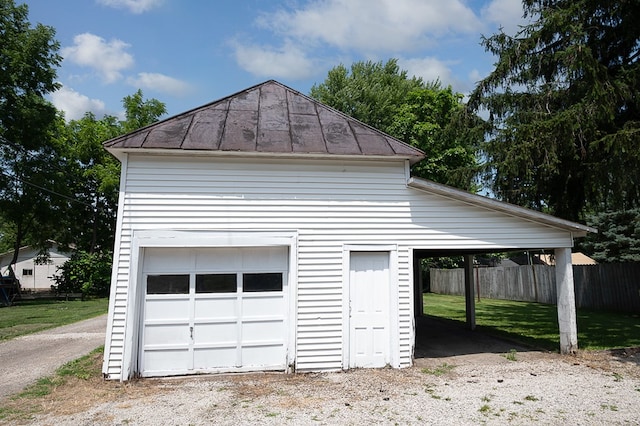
(268, 119)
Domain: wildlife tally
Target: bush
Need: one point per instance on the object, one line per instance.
(86, 273)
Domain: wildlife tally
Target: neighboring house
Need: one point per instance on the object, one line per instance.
(34, 268)
(266, 231)
(577, 258)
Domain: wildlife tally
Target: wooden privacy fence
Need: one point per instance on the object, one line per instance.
(612, 286)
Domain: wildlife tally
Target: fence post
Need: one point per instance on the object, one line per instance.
(566, 301)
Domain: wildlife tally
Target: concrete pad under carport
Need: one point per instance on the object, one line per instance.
(439, 338)
(566, 306)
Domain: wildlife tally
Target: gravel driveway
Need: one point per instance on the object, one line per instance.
(542, 388)
(25, 359)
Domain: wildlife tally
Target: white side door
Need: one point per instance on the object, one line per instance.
(369, 330)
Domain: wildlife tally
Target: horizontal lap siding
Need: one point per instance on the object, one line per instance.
(329, 204)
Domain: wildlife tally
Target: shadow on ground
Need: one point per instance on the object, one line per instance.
(439, 338)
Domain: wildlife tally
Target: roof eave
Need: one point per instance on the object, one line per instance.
(576, 229)
(120, 152)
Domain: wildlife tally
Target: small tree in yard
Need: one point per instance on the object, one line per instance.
(86, 273)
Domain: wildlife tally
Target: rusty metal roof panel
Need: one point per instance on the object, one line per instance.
(306, 134)
(337, 133)
(135, 140)
(246, 101)
(168, 134)
(267, 118)
(206, 129)
(240, 131)
(299, 104)
(376, 142)
(273, 118)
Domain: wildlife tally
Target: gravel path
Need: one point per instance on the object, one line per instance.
(542, 388)
(25, 359)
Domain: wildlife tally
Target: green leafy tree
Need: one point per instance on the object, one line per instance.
(425, 115)
(435, 120)
(371, 92)
(94, 177)
(95, 174)
(141, 112)
(86, 273)
(565, 108)
(29, 158)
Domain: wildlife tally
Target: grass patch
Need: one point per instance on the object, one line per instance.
(439, 370)
(512, 355)
(536, 324)
(30, 316)
(24, 405)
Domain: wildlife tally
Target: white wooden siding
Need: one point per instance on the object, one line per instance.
(330, 204)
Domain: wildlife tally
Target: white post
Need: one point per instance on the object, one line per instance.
(566, 301)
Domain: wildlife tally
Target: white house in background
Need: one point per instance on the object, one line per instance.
(35, 269)
(266, 231)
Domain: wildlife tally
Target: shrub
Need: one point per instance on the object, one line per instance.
(86, 273)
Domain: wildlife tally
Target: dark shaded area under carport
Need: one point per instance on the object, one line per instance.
(439, 338)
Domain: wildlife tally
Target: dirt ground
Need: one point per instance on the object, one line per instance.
(602, 387)
(466, 378)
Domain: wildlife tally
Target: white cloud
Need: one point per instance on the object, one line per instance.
(373, 25)
(160, 83)
(288, 61)
(75, 105)
(107, 58)
(475, 76)
(504, 13)
(430, 69)
(134, 6)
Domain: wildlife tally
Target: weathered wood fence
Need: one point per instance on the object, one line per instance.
(613, 286)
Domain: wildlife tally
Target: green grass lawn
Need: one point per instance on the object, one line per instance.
(35, 315)
(536, 324)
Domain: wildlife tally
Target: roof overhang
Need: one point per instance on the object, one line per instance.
(576, 229)
(120, 154)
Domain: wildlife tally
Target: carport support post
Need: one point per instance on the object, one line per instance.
(566, 301)
(468, 292)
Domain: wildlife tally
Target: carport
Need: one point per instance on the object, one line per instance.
(564, 272)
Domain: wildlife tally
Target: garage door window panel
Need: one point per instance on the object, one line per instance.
(168, 284)
(216, 283)
(259, 282)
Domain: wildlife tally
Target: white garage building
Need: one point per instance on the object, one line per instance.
(266, 231)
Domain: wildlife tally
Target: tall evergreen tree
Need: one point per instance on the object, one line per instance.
(565, 107)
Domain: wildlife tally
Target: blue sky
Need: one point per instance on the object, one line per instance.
(189, 53)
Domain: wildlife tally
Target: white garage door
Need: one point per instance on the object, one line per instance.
(214, 309)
